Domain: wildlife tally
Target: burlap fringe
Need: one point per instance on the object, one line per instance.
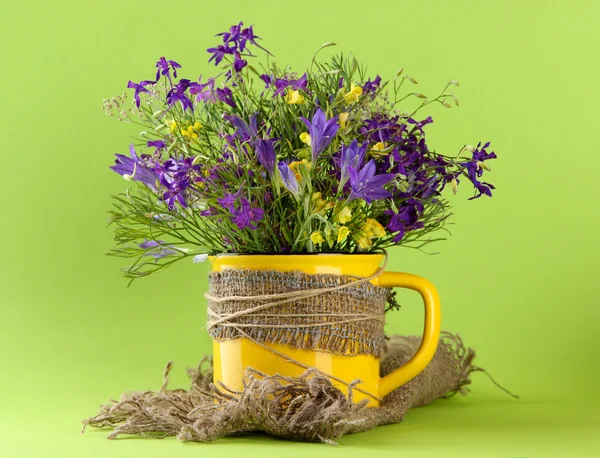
(305, 408)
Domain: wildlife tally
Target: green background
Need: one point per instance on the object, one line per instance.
(518, 279)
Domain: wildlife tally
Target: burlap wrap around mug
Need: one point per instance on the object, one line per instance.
(300, 353)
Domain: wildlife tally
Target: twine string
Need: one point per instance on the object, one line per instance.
(228, 320)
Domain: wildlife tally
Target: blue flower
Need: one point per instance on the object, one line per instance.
(164, 68)
(266, 153)
(139, 88)
(134, 168)
(288, 178)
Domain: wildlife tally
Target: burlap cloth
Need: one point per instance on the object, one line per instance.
(323, 312)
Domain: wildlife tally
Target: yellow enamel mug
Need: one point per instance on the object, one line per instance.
(232, 357)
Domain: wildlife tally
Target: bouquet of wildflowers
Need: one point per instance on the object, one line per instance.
(259, 159)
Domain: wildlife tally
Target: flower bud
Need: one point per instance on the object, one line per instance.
(483, 165)
(399, 72)
(412, 80)
(470, 148)
(454, 82)
(419, 95)
(454, 186)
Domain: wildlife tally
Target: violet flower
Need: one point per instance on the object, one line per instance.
(321, 132)
(368, 186)
(157, 249)
(228, 201)
(282, 84)
(407, 219)
(178, 94)
(158, 144)
(139, 88)
(164, 68)
(225, 95)
(247, 215)
(175, 190)
(133, 168)
(204, 91)
(371, 86)
(475, 170)
(351, 156)
(266, 154)
(288, 179)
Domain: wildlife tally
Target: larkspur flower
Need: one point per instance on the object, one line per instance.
(475, 169)
(281, 84)
(158, 144)
(219, 52)
(175, 190)
(139, 88)
(226, 96)
(164, 68)
(178, 94)
(321, 131)
(371, 86)
(228, 201)
(133, 168)
(407, 219)
(247, 215)
(204, 91)
(366, 185)
(288, 178)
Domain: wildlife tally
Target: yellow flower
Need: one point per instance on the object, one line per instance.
(295, 167)
(344, 215)
(342, 234)
(363, 242)
(305, 138)
(343, 120)
(317, 237)
(354, 94)
(173, 126)
(318, 201)
(294, 98)
(377, 149)
(375, 228)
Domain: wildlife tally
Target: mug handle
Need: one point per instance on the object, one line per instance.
(431, 333)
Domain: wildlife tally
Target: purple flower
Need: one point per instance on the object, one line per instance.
(239, 37)
(475, 170)
(134, 168)
(158, 144)
(372, 86)
(175, 190)
(139, 88)
(266, 154)
(209, 212)
(288, 178)
(204, 91)
(267, 79)
(407, 218)
(244, 130)
(219, 52)
(351, 156)
(294, 84)
(178, 94)
(239, 63)
(229, 200)
(157, 249)
(247, 215)
(368, 186)
(225, 95)
(164, 67)
(321, 132)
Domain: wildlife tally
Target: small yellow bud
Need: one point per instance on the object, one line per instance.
(375, 228)
(343, 120)
(197, 126)
(399, 72)
(317, 237)
(446, 104)
(454, 183)
(412, 80)
(342, 234)
(454, 82)
(305, 138)
(344, 215)
(419, 95)
(376, 150)
(197, 160)
(294, 98)
(470, 148)
(354, 94)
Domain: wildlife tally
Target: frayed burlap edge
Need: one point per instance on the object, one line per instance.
(304, 408)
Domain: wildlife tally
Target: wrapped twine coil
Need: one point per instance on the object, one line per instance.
(337, 314)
